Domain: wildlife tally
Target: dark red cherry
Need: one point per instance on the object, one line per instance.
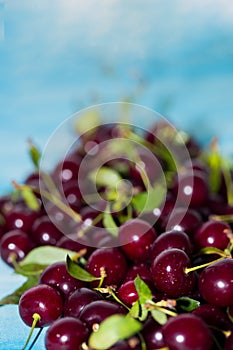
(66, 333)
(216, 283)
(171, 239)
(152, 334)
(77, 300)
(187, 331)
(213, 316)
(192, 189)
(127, 293)
(138, 269)
(136, 237)
(212, 234)
(98, 311)
(183, 219)
(57, 276)
(43, 300)
(112, 261)
(21, 218)
(168, 273)
(44, 232)
(17, 243)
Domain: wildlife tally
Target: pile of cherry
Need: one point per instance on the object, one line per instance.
(168, 288)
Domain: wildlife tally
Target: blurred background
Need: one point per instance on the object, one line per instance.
(57, 57)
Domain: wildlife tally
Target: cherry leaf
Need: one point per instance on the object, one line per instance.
(187, 304)
(14, 297)
(110, 224)
(159, 316)
(46, 255)
(105, 176)
(149, 200)
(35, 154)
(112, 330)
(78, 272)
(29, 198)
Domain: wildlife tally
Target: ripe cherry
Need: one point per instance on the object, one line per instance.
(168, 273)
(187, 331)
(42, 300)
(66, 333)
(57, 276)
(136, 237)
(216, 283)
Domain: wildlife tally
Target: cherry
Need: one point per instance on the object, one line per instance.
(127, 293)
(171, 239)
(112, 261)
(65, 172)
(97, 311)
(15, 244)
(20, 217)
(57, 276)
(136, 237)
(44, 232)
(216, 283)
(139, 269)
(193, 189)
(42, 300)
(168, 273)
(212, 234)
(213, 316)
(152, 334)
(77, 300)
(66, 333)
(73, 195)
(183, 219)
(75, 243)
(187, 331)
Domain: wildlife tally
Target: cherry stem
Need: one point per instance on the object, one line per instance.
(191, 269)
(36, 317)
(102, 276)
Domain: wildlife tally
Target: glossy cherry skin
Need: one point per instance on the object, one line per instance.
(44, 232)
(187, 332)
(127, 293)
(171, 239)
(212, 234)
(98, 311)
(77, 300)
(213, 316)
(152, 334)
(43, 300)
(57, 276)
(168, 273)
(183, 219)
(66, 333)
(20, 217)
(192, 189)
(136, 237)
(216, 283)
(15, 242)
(112, 260)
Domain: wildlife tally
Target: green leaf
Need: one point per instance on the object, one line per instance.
(35, 154)
(78, 272)
(144, 295)
(29, 269)
(159, 316)
(105, 176)
(29, 198)
(135, 310)
(46, 255)
(187, 304)
(147, 201)
(87, 122)
(14, 297)
(110, 224)
(112, 330)
(144, 292)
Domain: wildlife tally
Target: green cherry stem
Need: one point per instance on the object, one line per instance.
(36, 318)
(194, 268)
